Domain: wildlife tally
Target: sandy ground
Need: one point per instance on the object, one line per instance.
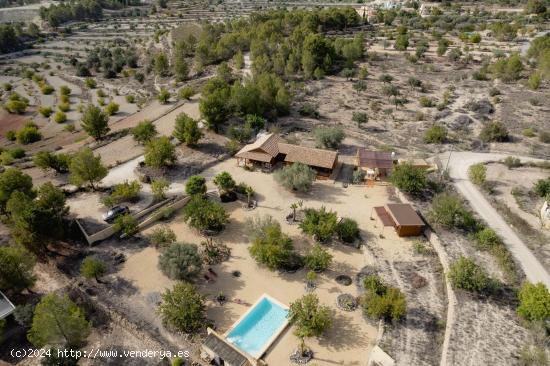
(352, 337)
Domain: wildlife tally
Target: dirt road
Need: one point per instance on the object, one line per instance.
(459, 163)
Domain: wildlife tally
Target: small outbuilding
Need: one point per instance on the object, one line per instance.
(375, 164)
(403, 217)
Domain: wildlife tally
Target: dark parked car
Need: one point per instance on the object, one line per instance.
(114, 212)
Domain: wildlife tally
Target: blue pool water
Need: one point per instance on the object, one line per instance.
(257, 327)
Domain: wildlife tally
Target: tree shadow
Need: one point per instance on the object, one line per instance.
(344, 334)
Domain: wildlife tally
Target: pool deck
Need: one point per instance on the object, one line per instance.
(275, 335)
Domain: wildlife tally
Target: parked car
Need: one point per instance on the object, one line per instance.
(114, 212)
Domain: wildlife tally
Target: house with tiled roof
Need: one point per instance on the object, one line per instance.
(269, 149)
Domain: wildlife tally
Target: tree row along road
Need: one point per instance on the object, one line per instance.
(459, 163)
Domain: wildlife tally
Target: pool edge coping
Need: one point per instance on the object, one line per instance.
(275, 335)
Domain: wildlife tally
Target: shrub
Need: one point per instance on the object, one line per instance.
(187, 130)
(317, 258)
(358, 176)
(48, 160)
(47, 89)
(95, 122)
(382, 301)
(449, 211)
(6, 158)
(203, 214)
(494, 132)
(296, 177)
(544, 137)
(183, 308)
(360, 118)
(111, 108)
(195, 185)
(534, 302)
(426, 102)
(512, 162)
(45, 111)
(534, 81)
(10, 135)
(159, 152)
(467, 275)
(181, 261)
(144, 132)
(542, 187)
(64, 90)
(23, 315)
(60, 117)
(409, 178)
(16, 104)
(92, 268)
(487, 239)
(329, 138)
(436, 134)
(186, 92)
(64, 107)
(126, 224)
(162, 237)
(126, 192)
(309, 110)
(270, 246)
(477, 173)
(225, 182)
(131, 98)
(159, 187)
(90, 83)
(321, 224)
(347, 230)
(28, 134)
(163, 96)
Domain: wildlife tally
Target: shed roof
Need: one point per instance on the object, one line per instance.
(374, 159)
(263, 149)
(404, 215)
(225, 351)
(384, 216)
(314, 157)
(6, 307)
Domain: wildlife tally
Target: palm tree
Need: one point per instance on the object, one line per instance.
(249, 192)
(294, 206)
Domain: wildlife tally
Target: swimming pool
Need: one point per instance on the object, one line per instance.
(259, 326)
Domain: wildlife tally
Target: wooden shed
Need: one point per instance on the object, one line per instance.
(407, 221)
(402, 217)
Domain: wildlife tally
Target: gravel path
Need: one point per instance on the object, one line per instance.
(459, 163)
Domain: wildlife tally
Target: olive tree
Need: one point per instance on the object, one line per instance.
(296, 177)
(183, 308)
(310, 318)
(181, 261)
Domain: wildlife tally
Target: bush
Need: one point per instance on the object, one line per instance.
(163, 96)
(186, 92)
(23, 315)
(48, 160)
(125, 192)
(90, 83)
(512, 162)
(126, 224)
(159, 187)
(203, 215)
(528, 132)
(47, 89)
(181, 261)
(449, 211)
(131, 98)
(92, 268)
(296, 177)
(60, 117)
(329, 138)
(426, 102)
(487, 239)
(270, 246)
(542, 187)
(321, 224)
(187, 130)
(162, 237)
(347, 230)
(360, 118)
(159, 152)
(195, 185)
(183, 308)
(477, 173)
(494, 132)
(144, 132)
(10, 135)
(358, 176)
(534, 81)
(317, 258)
(382, 301)
(64, 107)
(64, 90)
(409, 178)
(45, 111)
(28, 134)
(544, 137)
(534, 302)
(111, 108)
(436, 134)
(467, 275)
